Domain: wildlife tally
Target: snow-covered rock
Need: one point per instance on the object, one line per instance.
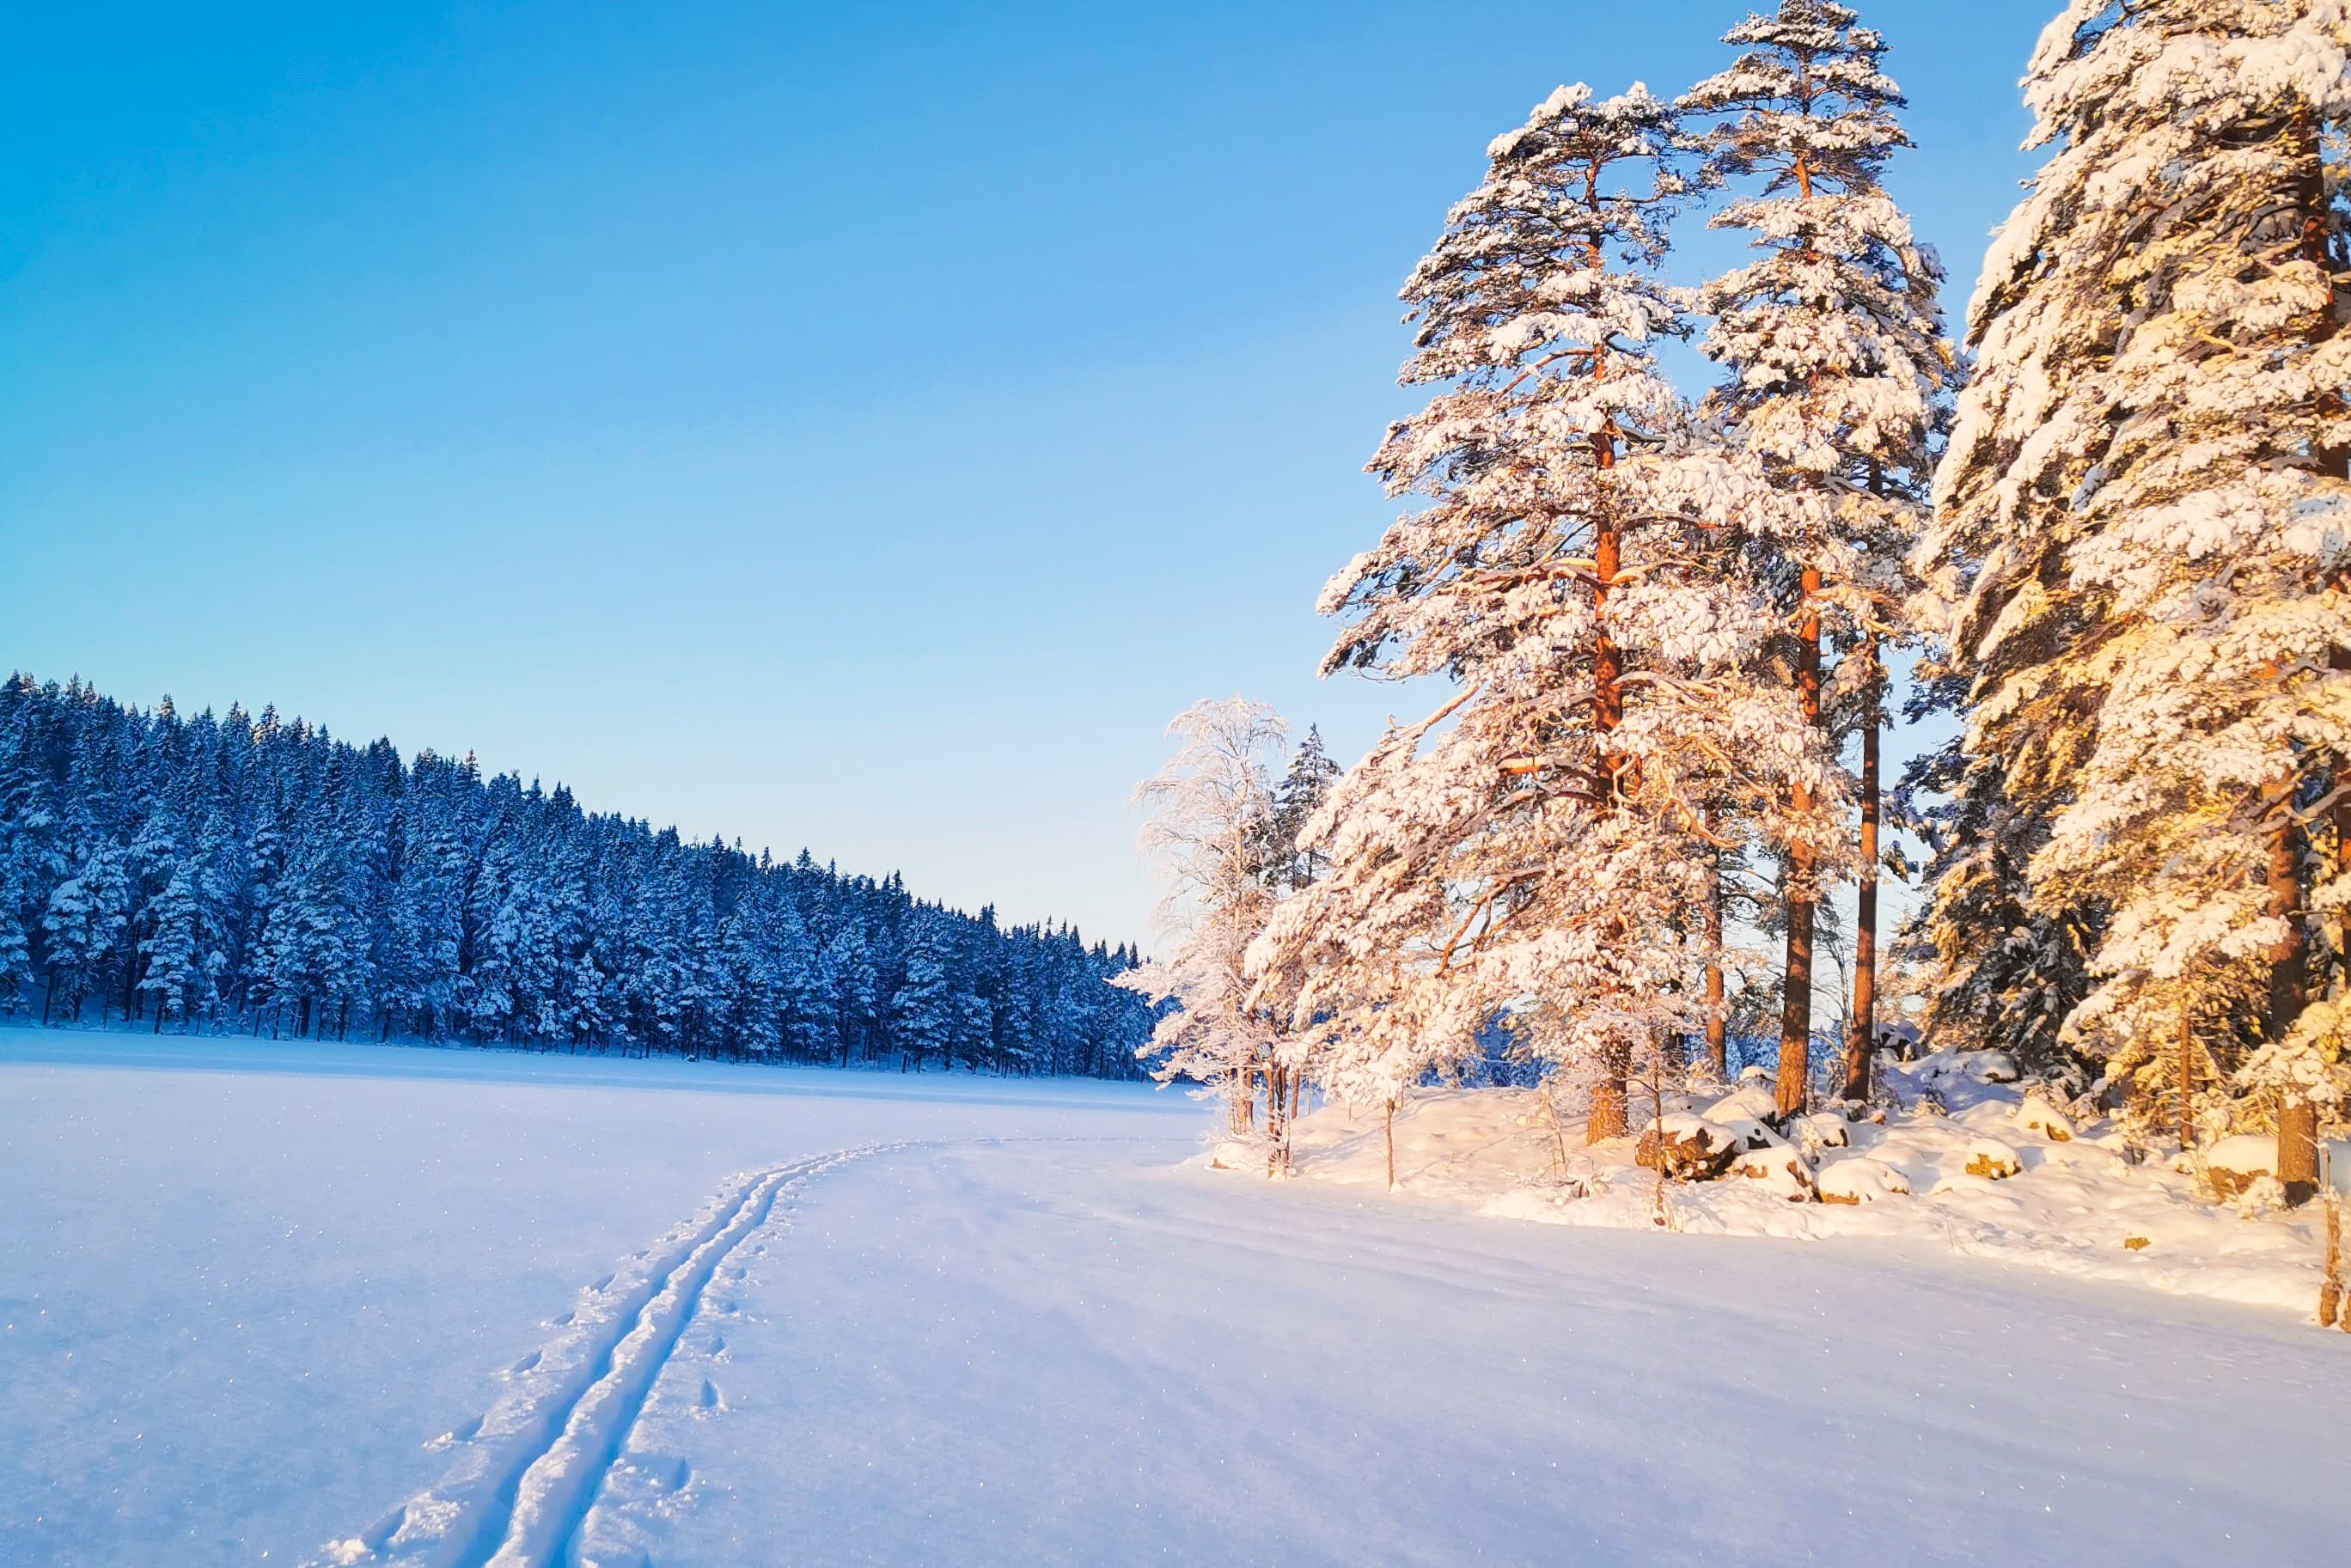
(2246, 1153)
(1781, 1172)
(1747, 1111)
(2236, 1164)
(2037, 1115)
(1993, 1160)
(1860, 1179)
(1687, 1147)
(1948, 1068)
(1750, 1102)
(1821, 1130)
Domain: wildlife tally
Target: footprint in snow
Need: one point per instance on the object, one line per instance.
(710, 1399)
(601, 1283)
(526, 1363)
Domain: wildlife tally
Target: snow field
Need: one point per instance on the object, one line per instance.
(247, 1308)
(1073, 1355)
(252, 1296)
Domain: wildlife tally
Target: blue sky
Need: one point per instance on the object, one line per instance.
(856, 426)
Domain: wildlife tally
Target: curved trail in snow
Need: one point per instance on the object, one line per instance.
(543, 1507)
(531, 1468)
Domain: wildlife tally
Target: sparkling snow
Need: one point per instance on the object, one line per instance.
(307, 1304)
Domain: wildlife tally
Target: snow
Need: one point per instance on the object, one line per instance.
(2246, 1153)
(245, 1286)
(1984, 1177)
(327, 1304)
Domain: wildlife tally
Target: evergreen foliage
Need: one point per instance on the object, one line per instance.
(238, 873)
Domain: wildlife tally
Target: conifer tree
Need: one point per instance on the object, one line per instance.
(2142, 517)
(1528, 849)
(174, 972)
(925, 1015)
(256, 873)
(1834, 369)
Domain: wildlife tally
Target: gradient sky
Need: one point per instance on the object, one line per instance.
(850, 426)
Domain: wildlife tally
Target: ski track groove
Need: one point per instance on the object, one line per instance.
(528, 1511)
(537, 1510)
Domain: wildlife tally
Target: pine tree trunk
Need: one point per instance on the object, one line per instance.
(1718, 1049)
(1390, 1135)
(1607, 1116)
(2330, 1288)
(1609, 1097)
(2297, 1118)
(1794, 1085)
(1861, 1048)
(1277, 1124)
(2186, 1067)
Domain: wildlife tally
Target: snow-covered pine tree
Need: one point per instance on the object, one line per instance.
(1835, 371)
(1531, 847)
(261, 872)
(1305, 786)
(2000, 969)
(85, 917)
(32, 858)
(1291, 863)
(2145, 508)
(174, 971)
(925, 1011)
(854, 987)
(1209, 808)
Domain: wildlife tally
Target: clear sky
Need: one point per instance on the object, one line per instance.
(857, 426)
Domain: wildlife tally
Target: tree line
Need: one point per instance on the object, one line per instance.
(2110, 528)
(247, 872)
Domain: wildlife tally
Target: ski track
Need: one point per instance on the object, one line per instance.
(531, 1468)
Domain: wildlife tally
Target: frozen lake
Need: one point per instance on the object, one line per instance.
(308, 1303)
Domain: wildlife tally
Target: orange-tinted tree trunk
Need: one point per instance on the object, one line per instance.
(1861, 1048)
(2297, 1118)
(1796, 986)
(1718, 1055)
(1608, 1095)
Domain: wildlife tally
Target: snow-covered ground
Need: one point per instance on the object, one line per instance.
(1975, 1165)
(314, 1304)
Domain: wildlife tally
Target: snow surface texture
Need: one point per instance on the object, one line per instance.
(1970, 1164)
(286, 1304)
